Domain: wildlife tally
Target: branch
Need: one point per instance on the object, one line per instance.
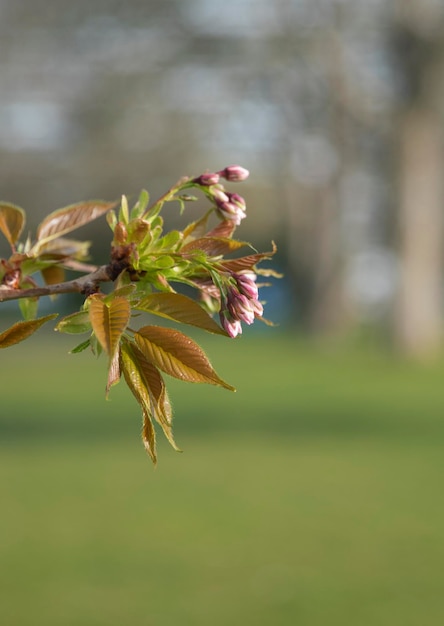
(85, 284)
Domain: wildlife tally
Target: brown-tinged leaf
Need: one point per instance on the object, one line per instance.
(136, 382)
(113, 371)
(109, 320)
(197, 228)
(213, 246)
(53, 274)
(150, 388)
(177, 355)
(22, 330)
(179, 308)
(149, 436)
(69, 218)
(12, 221)
(223, 229)
(247, 262)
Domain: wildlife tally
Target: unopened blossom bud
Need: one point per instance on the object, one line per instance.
(231, 206)
(234, 173)
(247, 285)
(229, 211)
(219, 194)
(207, 179)
(120, 233)
(232, 327)
(240, 307)
(238, 200)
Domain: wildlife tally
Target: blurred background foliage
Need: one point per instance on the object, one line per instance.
(312, 496)
(334, 106)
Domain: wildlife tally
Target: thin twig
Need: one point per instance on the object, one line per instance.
(84, 284)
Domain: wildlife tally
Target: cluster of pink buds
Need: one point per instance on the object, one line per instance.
(241, 303)
(232, 173)
(230, 206)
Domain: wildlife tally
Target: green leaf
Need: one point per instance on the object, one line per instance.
(141, 204)
(170, 240)
(123, 211)
(12, 221)
(109, 320)
(22, 330)
(81, 347)
(75, 323)
(29, 307)
(179, 308)
(177, 355)
(69, 218)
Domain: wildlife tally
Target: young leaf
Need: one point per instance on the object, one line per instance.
(113, 372)
(177, 355)
(141, 204)
(12, 221)
(247, 262)
(150, 388)
(81, 347)
(109, 321)
(197, 228)
(22, 330)
(137, 385)
(53, 274)
(149, 436)
(29, 307)
(75, 323)
(225, 228)
(179, 308)
(213, 246)
(65, 220)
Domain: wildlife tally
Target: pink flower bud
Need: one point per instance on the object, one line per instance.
(246, 284)
(234, 173)
(219, 195)
(207, 179)
(236, 199)
(232, 327)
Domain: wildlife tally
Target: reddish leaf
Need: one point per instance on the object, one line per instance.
(149, 388)
(113, 372)
(12, 221)
(198, 228)
(109, 321)
(22, 330)
(224, 229)
(136, 382)
(213, 246)
(246, 262)
(179, 308)
(71, 217)
(149, 436)
(177, 355)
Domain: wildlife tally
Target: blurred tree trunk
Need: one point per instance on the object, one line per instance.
(420, 157)
(421, 167)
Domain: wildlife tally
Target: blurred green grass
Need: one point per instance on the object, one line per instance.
(311, 496)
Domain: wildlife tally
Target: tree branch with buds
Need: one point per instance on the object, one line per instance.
(149, 270)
